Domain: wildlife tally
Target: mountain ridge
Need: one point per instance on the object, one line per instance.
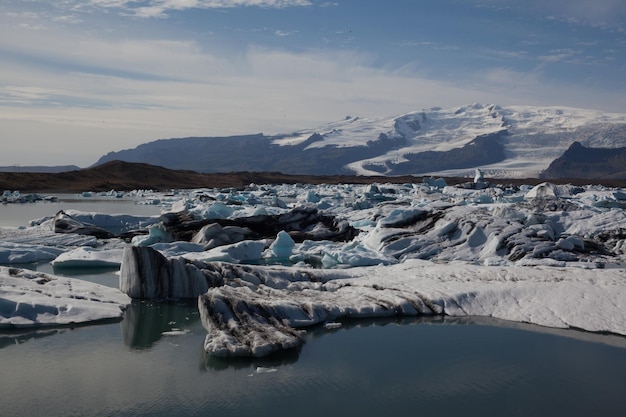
(126, 176)
(588, 163)
(504, 142)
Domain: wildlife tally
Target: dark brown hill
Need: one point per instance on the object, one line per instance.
(123, 176)
(592, 163)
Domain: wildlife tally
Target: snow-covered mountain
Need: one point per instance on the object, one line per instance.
(512, 141)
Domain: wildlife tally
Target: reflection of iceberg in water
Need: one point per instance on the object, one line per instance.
(265, 364)
(145, 322)
(19, 336)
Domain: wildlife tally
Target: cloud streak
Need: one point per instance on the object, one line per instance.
(162, 8)
(599, 13)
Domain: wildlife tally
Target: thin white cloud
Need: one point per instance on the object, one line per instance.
(558, 55)
(599, 13)
(90, 92)
(162, 8)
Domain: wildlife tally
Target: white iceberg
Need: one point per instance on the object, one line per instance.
(21, 253)
(86, 257)
(30, 298)
(255, 320)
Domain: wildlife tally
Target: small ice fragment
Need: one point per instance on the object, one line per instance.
(175, 332)
(263, 370)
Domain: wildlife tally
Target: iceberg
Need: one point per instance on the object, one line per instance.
(29, 299)
(253, 310)
(22, 253)
(545, 255)
(86, 257)
(255, 320)
(262, 272)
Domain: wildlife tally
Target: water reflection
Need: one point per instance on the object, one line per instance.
(146, 322)
(276, 360)
(437, 365)
(20, 336)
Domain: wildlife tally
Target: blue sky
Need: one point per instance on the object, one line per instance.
(82, 78)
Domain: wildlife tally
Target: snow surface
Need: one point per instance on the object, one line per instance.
(552, 255)
(537, 135)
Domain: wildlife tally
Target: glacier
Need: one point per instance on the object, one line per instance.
(503, 141)
(270, 261)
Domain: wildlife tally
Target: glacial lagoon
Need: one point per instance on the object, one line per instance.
(152, 363)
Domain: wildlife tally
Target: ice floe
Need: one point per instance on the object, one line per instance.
(30, 298)
(270, 260)
(88, 257)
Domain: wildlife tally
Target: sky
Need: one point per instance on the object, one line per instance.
(81, 78)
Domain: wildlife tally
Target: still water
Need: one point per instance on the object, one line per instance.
(139, 367)
(20, 214)
(152, 363)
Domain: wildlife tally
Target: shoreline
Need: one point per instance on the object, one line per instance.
(125, 176)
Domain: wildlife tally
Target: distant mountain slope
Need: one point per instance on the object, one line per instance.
(37, 168)
(513, 141)
(250, 153)
(579, 161)
(122, 176)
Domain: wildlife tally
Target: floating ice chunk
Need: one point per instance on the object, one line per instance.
(176, 332)
(217, 210)
(147, 274)
(259, 211)
(252, 320)
(177, 248)
(445, 228)
(312, 197)
(36, 299)
(438, 183)
(565, 244)
(180, 206)
(213, 235)
(20, 253)
(112, 222)
(543, 190)
(619, 195)
(245, 251)
(363, 224)
(479, 176)
(401, 217)
(89, 258)
(157, 233)
(281, 248)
